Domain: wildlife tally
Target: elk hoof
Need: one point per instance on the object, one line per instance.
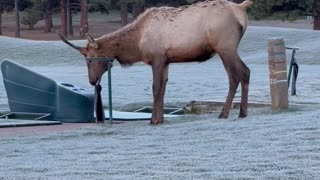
(153, 122)
(242, 115)
(223, 116)
(156, 122)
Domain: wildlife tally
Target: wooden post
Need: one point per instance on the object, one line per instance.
(278, 73)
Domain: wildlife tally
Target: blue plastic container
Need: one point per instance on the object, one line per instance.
(31, 92)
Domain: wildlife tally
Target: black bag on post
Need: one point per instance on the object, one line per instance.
(98, 105)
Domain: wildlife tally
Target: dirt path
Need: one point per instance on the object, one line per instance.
(39, 34)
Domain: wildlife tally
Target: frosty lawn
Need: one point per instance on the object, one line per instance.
(266, 145)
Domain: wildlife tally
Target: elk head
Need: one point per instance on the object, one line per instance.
(97, 59)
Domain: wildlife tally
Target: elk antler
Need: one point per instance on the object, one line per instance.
(69, 43)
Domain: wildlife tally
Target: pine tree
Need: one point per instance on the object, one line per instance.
(63, 14)
(17, 9)
(5, 5)
(124, 11)
(84, 18)
(287, 9)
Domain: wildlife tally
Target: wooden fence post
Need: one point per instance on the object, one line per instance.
(278, 73)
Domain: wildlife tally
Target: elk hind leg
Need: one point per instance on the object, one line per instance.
(244, 74)
(234, 80)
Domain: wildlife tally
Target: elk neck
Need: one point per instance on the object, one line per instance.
(122, 44)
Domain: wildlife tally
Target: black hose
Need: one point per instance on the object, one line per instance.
(294, 78)
(98, 104)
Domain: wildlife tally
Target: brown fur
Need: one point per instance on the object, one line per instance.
(165, 35)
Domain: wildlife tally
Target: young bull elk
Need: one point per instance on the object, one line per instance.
(165, 35)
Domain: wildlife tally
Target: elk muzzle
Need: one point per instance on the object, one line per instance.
(96, 68)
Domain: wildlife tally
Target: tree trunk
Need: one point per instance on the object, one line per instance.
(137, 10)
(63, 27)
(84, 19)
(113, 3)
(31, 26)
(0, 23)
(124, 12)
(17, 32)
(316, 22)
(69, 19)
(48, 20)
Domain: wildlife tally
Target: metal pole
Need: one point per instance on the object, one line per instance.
(290, 67)
(110, 91)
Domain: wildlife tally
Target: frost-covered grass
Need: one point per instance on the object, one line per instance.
(253, 48)
(266, 145)
(187, 82)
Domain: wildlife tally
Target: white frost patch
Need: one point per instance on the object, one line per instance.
(266, 145)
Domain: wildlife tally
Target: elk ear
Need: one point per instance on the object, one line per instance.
(84, 51)
(92, 42)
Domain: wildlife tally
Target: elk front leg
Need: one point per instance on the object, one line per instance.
(160, 78)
